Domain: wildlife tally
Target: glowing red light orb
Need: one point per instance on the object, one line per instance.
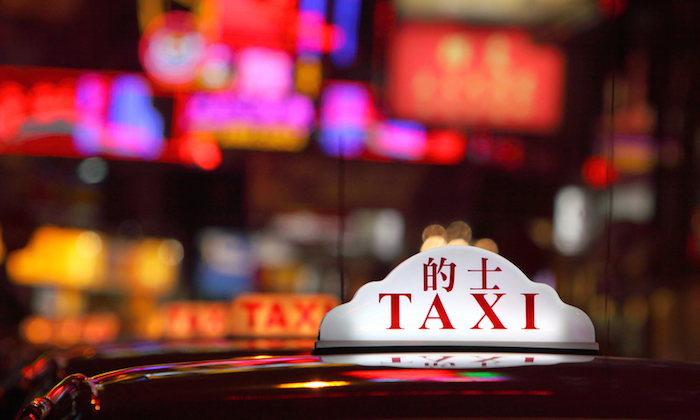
(445, 147)
(598, 172)
(201, 149)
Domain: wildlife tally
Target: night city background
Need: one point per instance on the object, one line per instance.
(160, 159)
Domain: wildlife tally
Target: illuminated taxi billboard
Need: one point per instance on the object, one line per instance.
(475, 77)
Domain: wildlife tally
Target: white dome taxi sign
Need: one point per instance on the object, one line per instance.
(456, 297)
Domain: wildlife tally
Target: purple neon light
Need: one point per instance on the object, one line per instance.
(312, 19)
(218, 111)
(345, 105)
(265, 73)
(345, 118)
(403, 140)
(117, 118)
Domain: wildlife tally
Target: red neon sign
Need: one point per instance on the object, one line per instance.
(39, 116)
(450, 75)
(245, 23)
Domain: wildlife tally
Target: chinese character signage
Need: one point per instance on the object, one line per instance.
(485, 78)
(457, 295)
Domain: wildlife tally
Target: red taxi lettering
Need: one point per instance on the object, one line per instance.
(276, 316)
(442, 315)
(251, 308)
(490, 359)
(395, 315)
(440, 312)
(530, 311)
(305, 314)
(488, 311)
(436, 363)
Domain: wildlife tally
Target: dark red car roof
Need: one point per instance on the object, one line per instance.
(308, 387)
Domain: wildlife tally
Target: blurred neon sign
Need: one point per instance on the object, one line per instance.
(43, 103)
(312, 31)
(346, 15)
(266, 315)
(279, 315)
(183, 320)
(245, 23)
(261, 112)
(87, 260)
(171, 48)
(71, 113)
(449, 75)
(264, 73)
(69, 331)
(345, 119)
(351, 126)
(117, 117)
(238, 122)
(401, 140)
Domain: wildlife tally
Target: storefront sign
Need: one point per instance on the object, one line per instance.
(485, 78)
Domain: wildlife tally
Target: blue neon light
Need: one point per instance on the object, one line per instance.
(137, 128)
(345, 109)
(346, 15)
(119, 119)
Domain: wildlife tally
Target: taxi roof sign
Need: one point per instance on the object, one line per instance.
(456, 297)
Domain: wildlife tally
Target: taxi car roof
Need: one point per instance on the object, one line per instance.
(49, 367)
(308, 387)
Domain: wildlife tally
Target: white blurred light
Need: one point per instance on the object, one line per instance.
(388, 234)
(273, 252)
(171, 252)
(92, 170)
(225, 253)
(634, 202)
(572, 221)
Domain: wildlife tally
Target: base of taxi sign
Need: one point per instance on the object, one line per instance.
(452, 298)
(359, 347)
